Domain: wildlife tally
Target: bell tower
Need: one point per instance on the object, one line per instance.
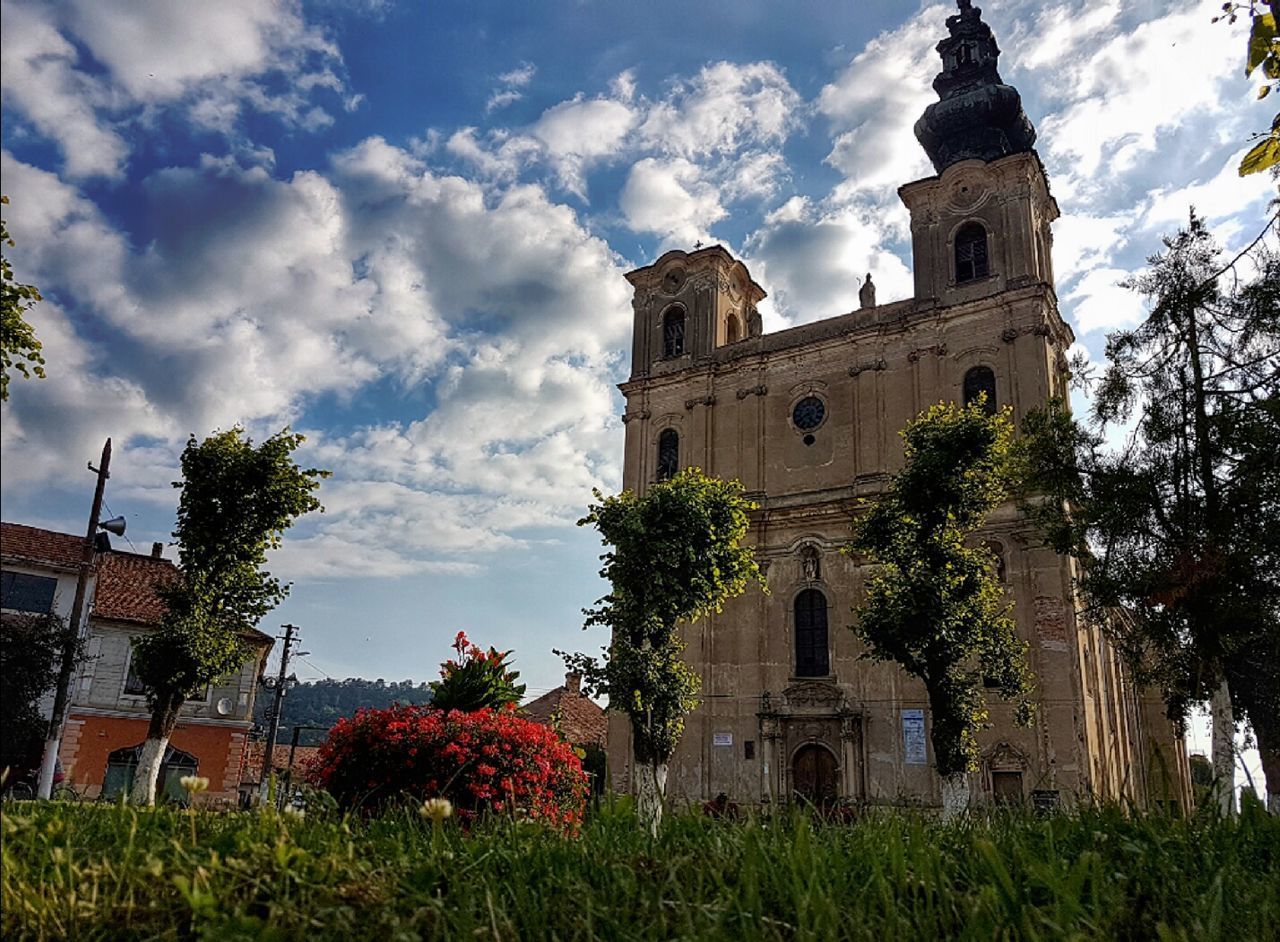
(688, 304)
(982, 225)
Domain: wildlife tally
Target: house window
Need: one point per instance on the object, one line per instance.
(812, 657)
(971, 253)
(22, 592)
(673, 333)
(733, 331)
(668, 454)
(749, 749)
(133, 687)
(981, 381)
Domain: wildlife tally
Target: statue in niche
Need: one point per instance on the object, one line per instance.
(811, 564)
(755, 326)
(867, 293)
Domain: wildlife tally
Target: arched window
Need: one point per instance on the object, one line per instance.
(812, 657)
(123, 763)
(733, 330)
(668, 454)
(673, 333)
(981, 381)
(971, 253)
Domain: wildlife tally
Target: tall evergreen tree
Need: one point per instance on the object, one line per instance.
(1176, 527)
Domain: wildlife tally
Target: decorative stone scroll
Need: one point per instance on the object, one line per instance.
(1005, 758)
(760, 390)
(812, 696)
(1010, 334)
(937, 349)
(871, 365)
(707, 400)
(642, 414)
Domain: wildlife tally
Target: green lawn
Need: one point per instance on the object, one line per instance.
(98, 872)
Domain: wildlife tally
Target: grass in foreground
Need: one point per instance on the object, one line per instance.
(97, 872)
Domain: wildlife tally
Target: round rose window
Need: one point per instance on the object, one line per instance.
(808, 413)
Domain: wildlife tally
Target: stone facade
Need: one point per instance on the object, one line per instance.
(710, 389)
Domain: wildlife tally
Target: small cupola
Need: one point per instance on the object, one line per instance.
(977, 115)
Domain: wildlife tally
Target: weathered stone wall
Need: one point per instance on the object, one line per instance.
(875, 369)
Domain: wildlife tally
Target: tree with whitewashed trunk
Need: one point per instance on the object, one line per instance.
(676, 556)
(237, 501)
(934, 604)
(1169, 528)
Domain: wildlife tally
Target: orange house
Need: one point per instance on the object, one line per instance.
(108, 716)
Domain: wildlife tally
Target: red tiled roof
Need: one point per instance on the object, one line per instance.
(251, 765)
(581, 721)
(19, 541)
(127, 584)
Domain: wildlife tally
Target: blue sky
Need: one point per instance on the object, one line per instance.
(402, 229)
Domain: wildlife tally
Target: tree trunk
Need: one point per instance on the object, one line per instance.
(1223, 747)
(955, 795)
(164, 717)
(1269, 750)
(650, 790)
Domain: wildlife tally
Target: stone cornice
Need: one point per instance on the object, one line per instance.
(885, 322)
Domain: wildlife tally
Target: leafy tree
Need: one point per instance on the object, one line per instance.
(237, 501)
(30, 654)
(934, 605)
(19, 348)
(1168, 528)
(1263, 54)
(476, 680)
(676, 556)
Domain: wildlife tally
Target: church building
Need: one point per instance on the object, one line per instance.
(808, 419)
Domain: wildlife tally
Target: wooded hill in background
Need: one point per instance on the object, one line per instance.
(323, 702)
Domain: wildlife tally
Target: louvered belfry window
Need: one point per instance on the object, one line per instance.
(673, 333)
(971, 253)
(981, 380)
(668, 454)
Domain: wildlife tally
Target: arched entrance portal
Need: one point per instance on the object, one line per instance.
(813, 775)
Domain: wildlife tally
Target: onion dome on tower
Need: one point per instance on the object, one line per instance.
(978, 116)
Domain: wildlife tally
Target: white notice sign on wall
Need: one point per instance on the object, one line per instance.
(913, 742)
(722, 739)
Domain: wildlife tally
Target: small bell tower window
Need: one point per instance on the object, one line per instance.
(981, 381)
(668, 454)
(673, 332)
(971, 253)
(732, 330)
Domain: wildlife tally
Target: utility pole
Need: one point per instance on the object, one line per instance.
(288, 772)
(53, 738)
(280, 684)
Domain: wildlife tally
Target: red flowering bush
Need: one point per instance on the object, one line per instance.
(487, 760)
